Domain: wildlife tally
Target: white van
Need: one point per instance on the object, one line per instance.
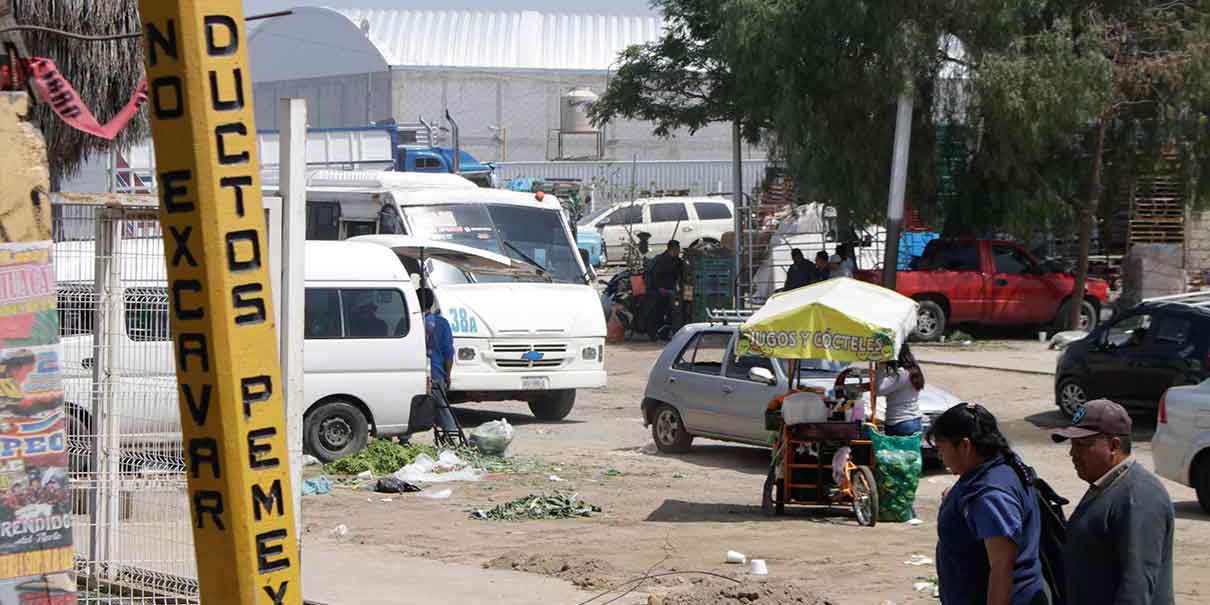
(363, 354)
(693, 221)
(527, 326)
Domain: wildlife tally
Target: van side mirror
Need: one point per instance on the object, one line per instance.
(763, 376)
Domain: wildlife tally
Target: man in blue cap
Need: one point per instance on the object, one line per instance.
(1119, 538)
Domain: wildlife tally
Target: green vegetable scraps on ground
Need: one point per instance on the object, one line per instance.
(382, 456)
(536, 507)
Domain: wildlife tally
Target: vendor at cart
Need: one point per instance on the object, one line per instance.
(901, 381)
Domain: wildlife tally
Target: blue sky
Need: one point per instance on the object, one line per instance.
(610, 7)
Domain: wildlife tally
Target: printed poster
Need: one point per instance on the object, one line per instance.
(35, 498)
(51, 589)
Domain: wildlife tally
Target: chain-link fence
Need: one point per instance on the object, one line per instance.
(133, 540)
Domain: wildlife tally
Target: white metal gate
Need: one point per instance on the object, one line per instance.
(133, 540)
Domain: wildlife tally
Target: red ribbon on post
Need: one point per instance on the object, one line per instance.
(54, 90)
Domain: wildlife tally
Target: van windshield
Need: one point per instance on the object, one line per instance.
(536, 233)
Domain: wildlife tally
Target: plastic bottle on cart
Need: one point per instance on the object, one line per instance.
(857, 412)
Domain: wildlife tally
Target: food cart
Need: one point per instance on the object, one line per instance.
(824, 456)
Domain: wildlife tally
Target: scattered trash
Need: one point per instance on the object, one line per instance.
(386, 499)
(493, 438)
(340, 531)
(613, 472)
(915, 522)
(391, 485)
(918, 561)
(309, 460)
(365, 476)
(316, 486)
(677, 476)
(736, 557)
(759, 568)
(381, 456)
(447, 467)
(556, 478)
(922, 586)
(441, 495)
(534, 506)
(929, 586)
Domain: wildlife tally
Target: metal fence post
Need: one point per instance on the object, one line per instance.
(106, 455)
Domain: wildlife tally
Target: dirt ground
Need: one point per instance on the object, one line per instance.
(683, 513)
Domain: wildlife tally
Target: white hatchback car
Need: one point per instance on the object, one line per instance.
(1181, 446)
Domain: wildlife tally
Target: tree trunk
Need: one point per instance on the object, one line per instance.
(1084, 216)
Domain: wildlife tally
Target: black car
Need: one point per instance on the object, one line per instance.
(1136, 356)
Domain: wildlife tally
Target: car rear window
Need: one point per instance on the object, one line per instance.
(667, 213)
(712, 211)
(705, 354)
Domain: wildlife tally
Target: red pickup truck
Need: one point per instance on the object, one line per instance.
(990, 282)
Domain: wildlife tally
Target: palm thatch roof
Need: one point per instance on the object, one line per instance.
(103, 73)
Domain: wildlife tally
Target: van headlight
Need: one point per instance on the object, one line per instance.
(589, 353)
(466, 354)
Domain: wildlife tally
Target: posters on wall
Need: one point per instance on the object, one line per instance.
(35, 499)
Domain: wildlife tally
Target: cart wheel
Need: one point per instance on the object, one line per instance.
(865, 496)
(771, 502)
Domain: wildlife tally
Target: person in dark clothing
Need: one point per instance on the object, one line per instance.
(989, 528)
(822, 271)
(1119, 538)
(439, 346)
(801, 273)
(663, 282)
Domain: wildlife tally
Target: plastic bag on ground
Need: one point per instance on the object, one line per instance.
(316, 486)
(391, 485)
(897, 469)
(447, 467)
(493, 438)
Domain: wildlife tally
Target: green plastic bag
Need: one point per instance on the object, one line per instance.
(897, 469)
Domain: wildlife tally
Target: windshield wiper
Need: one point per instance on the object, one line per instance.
(542, 272)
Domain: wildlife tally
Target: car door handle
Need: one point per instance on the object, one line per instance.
(686, 229)
(728, 389)
(1001, 283)
(672, 379)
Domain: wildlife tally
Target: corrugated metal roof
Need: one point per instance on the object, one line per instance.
(502, 40)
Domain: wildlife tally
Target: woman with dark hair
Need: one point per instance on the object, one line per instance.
(900, 382)
(989, 525)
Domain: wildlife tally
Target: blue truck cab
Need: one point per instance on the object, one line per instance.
(441, 159)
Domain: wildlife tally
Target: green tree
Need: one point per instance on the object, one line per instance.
(1083, 95)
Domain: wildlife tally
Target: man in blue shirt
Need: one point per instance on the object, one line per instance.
(439, 346)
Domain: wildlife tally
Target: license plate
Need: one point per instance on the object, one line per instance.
(533, 383)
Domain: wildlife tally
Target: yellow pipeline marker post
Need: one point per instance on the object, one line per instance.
(233, 418)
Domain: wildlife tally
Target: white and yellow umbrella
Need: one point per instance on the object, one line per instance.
(838, 320)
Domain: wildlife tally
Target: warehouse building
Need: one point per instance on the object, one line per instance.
(517, 83)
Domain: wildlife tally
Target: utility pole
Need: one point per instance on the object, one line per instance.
(225, 343)
(737, 200)
(894, 212)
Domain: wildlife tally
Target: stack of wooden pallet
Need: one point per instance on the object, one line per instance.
(1157, 208)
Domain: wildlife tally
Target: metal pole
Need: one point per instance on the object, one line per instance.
(292, 124)
(903, 143)
(737, 200)
(104, 497)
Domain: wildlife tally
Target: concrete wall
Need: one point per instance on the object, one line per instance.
(526, 104)
(24, 178)
(1197, 242)
(332, 102)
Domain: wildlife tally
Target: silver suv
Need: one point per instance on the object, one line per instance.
(698, 388)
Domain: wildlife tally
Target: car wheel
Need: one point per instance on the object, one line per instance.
(334, 430)
(1070, 395)
(930, 321)
(1088, 317)
(555, 405)
(1201, 483)
(668, 431)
